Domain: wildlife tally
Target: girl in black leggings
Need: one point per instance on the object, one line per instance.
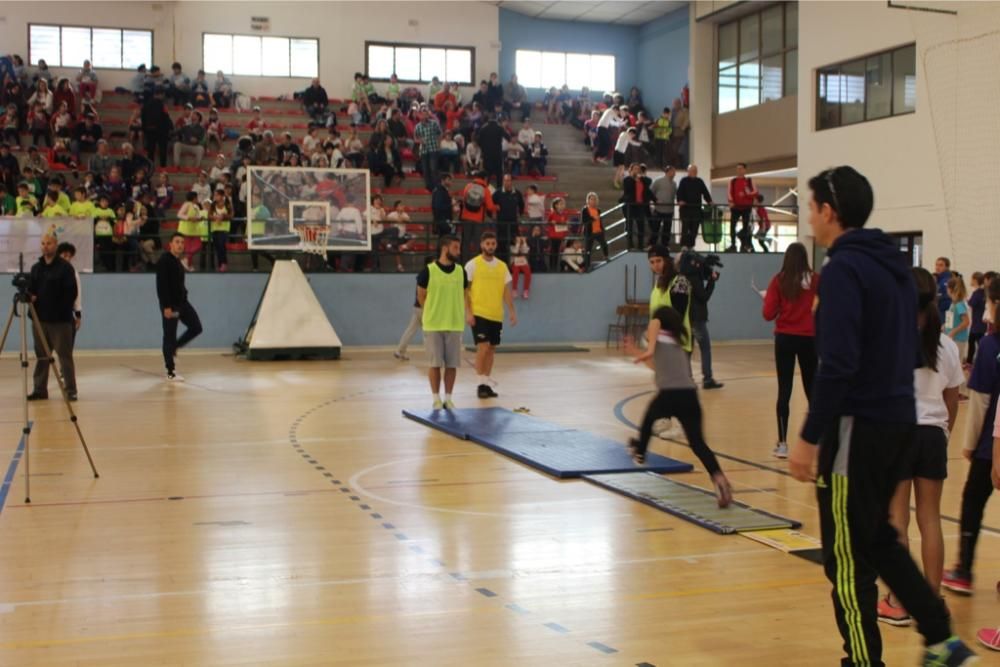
(789, 302)
(984, 390)
(677, 396)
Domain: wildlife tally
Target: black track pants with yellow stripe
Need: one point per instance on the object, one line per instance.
(859, 462)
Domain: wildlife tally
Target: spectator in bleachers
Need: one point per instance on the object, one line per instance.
(178, 85)
(662, 129)
(64, 95)
(222, 91)
(473, 158)
(214, 130)
(201, 187)
(354, 149)
(664, 191)
(515, 98)
(534, 204)
(593, 229)
(433, 89)
(192, 226)
(256, 125)
(742, 195)
(636, 196)
(556, 230)
(450, 160)
(10, 169)
(494, 91)
(538, 155)
(85, 136)
(482, 96)
(116, 189)
(476, 202)
(220, 217)
(86, 82)
(520, 266)
(551, 104)
(199, 91)
(163, 194)
(156, 81)
(156, 127)
(444, 97)
(573, 258)
(51, 207)
(25, 202)
(516, 160)
(690, 193)
(130, 161)
(62, 156)
(38, 163)
(526, 135)
(386, 162)
(491, 137)
(10, 122)
(62, 122)
(190, 141)
(441, 209)
(218, 169)
(625, 153)
(266, 151)
(286, 149)
(90, 185)
(42, 73)
(610, 119)
(510, 207)
(316, 102)
(137, 84)
(397, 128)
(634, 100)
(393, 91)
(8, 205)
(378, 135)
(139, 183)
(679, 135)
(41, 128)
(428, 135)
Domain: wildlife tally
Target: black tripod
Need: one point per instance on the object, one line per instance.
(23, 308)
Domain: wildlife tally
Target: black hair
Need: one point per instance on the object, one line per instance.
(990, 275)
(947, 262)
(486, 236)
(930, 332)
(845, 191)
(66, 246)
(446, 241)
(741, 164)
(671, 322)
(669, 271)
(175, 235)
(191, 196)
(993, 294)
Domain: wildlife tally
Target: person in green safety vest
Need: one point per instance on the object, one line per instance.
(670, 289)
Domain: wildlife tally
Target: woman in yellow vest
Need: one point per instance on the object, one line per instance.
(104, 229)
(220, 217)
(671, 289)
(193, 227)
(490, 281)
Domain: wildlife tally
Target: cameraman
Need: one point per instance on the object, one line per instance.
(700, 272)
(52, 288)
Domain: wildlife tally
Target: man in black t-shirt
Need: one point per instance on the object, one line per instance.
(174, 304)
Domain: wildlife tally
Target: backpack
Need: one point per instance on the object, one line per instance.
(474, 197)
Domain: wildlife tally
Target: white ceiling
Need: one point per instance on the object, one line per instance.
(622, 12)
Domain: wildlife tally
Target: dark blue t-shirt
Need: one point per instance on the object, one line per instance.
(977, 303)
(985, 379)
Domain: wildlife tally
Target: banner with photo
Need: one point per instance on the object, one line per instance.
(24, 235)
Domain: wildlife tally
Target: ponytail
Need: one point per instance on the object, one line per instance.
(927, 310)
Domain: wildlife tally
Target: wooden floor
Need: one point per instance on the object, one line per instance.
(210, 540)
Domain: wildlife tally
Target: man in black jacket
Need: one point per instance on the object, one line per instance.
(316, 102)
(490, 138)
(52, 287)
(441, 206)
(690, 192)
(510, 208)
(702, 281)
(174, 304)
(636, 195)
(156, 127)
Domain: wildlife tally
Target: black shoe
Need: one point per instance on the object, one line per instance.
(485, 391)
(638, 457)
(38, 396)
(71, 396)
(712, 384)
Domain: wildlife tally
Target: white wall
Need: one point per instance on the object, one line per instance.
(903, 157)
(342, 28)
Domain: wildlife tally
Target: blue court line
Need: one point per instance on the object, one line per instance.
(11, 469)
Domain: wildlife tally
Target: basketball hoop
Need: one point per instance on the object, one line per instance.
(314, 238)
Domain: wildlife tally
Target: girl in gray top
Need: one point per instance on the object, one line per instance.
(677, 396)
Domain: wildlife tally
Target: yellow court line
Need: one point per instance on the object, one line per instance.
(194, 632)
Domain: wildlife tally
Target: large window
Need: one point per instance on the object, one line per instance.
(547, 69)
(758, 58)
(419, 63)
(251, 55)
(876, 86)
(105, 48)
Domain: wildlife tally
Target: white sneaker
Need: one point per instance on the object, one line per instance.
(400, 356)
(448, 405)
(437, 404)
(174, 376)
(781, 451)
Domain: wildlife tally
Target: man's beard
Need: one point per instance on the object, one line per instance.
(454, 258)
(488, 254)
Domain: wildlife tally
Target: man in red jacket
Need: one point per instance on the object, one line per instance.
(742, 195)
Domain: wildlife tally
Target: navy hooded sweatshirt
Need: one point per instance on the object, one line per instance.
(866, 335)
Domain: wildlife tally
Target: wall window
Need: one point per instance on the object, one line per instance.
(758, 58)
(547, 69)
(252, 55)
(105, 48)
(419, 63)
(876, 86)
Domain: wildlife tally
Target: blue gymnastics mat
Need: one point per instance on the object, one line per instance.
(556, 450)
(691, 503)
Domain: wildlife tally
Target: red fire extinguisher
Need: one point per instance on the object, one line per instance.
(686, 96)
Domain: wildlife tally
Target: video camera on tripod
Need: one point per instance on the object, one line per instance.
(21, 279)
(695, 264)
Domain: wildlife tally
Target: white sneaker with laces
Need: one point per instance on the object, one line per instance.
(174, 376)
(781, 451)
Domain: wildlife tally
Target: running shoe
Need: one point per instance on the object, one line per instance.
(712, 384)
(990, 638)
(954, 653)
(781, 450)
(400, 356)
(525, 294)
(449, 405)
(174, 376)
(638, 457)
(957, 582)
(891, 614)
(437, 404)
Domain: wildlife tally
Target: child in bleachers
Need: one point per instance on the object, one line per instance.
(214, 131)
(398, 240)
(538, 155)
(534, 204)
(473, 157)
(201, 187)
(310, 142)
(135, 128)
(193, 227)
(538, 247)
(256, 126)
(104, 227)
(25, 202)
(572, 257)
(515, 158)
(62, 122)
(519, 265)
(449, 161)
(11, 124)
(557, 230)
(219, 168)
(38, 122)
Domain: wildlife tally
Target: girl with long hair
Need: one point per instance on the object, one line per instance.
(788, 303)
(936, 385)
(677, 394)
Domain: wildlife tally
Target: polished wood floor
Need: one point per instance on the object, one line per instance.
(286, 514)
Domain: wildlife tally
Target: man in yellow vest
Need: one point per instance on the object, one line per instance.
(490, 281)
(443, 294)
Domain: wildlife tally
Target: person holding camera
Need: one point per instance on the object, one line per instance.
(702, 275)
(52, 288)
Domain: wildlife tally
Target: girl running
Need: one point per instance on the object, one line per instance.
(789, 304)
(678, 394)
(936, 389)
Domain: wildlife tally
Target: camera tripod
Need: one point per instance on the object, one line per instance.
(23, 308)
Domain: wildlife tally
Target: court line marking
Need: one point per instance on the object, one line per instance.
(619, 411)
(8, 479)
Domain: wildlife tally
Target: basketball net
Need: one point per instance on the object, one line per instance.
(313, 238)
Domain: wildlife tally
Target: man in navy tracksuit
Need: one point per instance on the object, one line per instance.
(862, 415)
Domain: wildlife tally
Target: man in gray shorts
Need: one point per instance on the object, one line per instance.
(443, 293)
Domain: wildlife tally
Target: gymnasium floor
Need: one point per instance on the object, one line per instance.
(211, 540)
